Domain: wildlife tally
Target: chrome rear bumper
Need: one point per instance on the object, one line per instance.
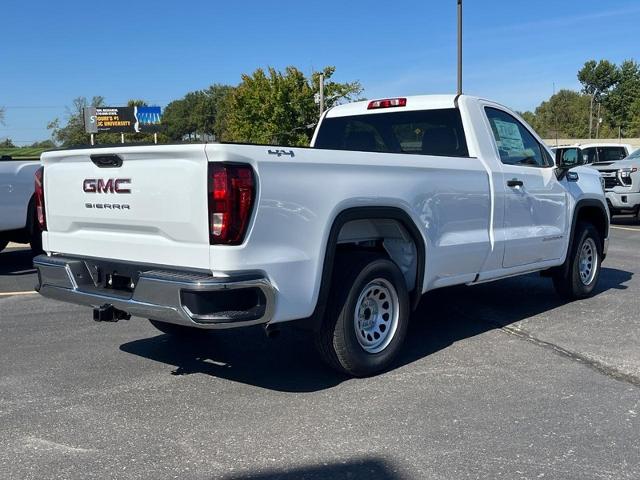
(184, 298)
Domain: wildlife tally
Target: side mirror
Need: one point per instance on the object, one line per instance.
(567, 158)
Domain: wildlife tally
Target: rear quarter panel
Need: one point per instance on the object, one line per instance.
(300, 196)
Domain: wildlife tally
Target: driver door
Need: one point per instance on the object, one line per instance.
(535, 217)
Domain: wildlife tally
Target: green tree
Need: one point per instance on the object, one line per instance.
(7, 143)
(42, 144)
(598, 77)
(621, 100)
(196, 114)
(279, 107)
(566, 111)
(633, 130)
(72, 133)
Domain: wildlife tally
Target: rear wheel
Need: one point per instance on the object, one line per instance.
(367, 316)
(578, 277)
(178, 331)
(36, 242)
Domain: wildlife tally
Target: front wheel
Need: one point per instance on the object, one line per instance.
(367, 316)
(578, 276)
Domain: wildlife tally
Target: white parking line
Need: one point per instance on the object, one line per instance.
(9, 294)
(626, 228)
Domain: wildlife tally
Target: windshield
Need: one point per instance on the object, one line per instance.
(635, 154)
(611, 154)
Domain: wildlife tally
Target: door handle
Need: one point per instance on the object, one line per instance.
(514, 182)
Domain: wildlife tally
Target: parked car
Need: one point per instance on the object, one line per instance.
(596, 152)
(622, 184)
(395, 197)
(18, 209)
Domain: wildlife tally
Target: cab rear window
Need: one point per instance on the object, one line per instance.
(424, 132)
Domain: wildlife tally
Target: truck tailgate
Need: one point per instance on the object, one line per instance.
(150, 209)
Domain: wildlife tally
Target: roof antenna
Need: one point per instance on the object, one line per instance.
(459, 47)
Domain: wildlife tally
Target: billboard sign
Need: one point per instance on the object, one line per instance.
(90, 121)
(148, 118)
(122, 119)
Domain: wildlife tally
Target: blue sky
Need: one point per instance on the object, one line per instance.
(52, 52)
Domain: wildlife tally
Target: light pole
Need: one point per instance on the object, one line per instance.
(321, 93)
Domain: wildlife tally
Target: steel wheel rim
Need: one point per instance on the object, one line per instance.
(375, 318)
(588, 261)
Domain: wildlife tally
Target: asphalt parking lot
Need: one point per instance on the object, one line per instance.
(501, 380)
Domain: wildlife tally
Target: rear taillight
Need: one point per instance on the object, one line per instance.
(231, 197)
(39, 194)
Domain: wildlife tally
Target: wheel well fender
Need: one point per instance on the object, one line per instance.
(594, 212)
(367, 213)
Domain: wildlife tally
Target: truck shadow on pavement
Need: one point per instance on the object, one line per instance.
(369, 468)
(289, 363)
(626, 221)
(16, 262)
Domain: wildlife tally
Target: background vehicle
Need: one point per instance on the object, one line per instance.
(622, 184)
(18, 222)
(395, 197)
(596, 152)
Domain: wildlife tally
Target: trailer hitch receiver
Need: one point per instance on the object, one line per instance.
(107, 313)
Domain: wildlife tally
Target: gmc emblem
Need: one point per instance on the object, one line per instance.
(113, 185)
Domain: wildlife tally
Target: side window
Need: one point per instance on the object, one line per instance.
(515, 144)
(589, 155)
(570, 156)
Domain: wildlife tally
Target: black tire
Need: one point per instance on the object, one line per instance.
(338, 341)
(36, 242)
(3, 244)
(567, 278)
(178, 331)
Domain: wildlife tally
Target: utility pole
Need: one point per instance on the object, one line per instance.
(591, 114)
(459, 47)
(598, 123)
(321, 93)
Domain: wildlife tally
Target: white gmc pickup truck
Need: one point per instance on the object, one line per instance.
(394, 198)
